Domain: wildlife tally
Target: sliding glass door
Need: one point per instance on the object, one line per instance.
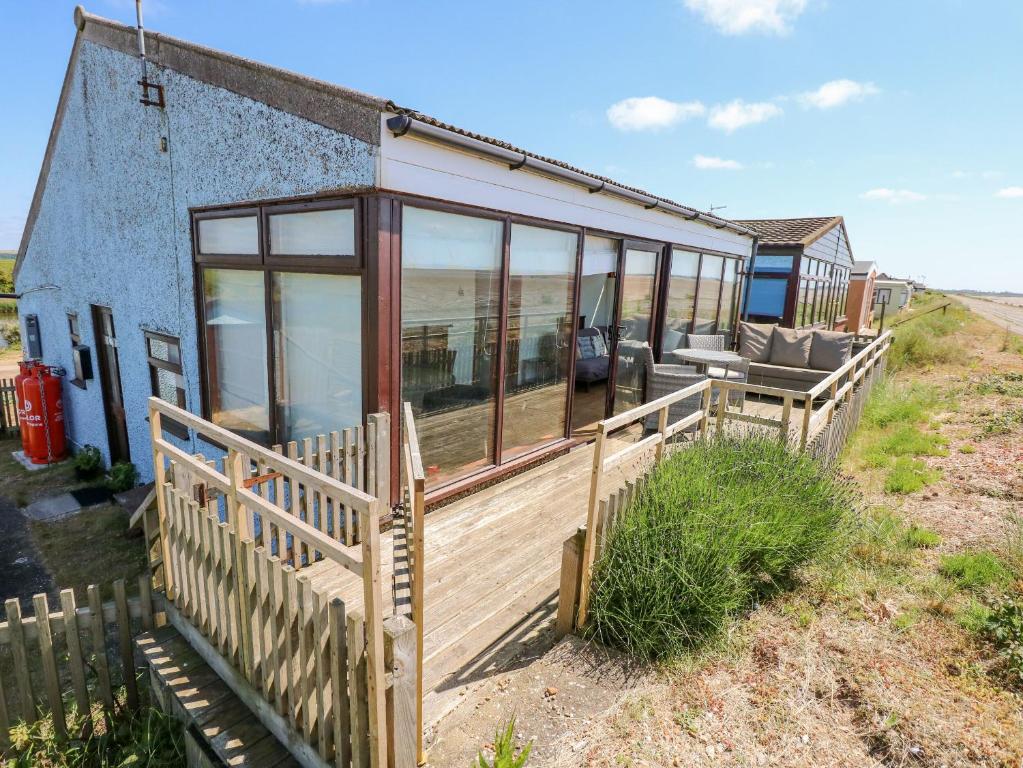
(450, 298)
(598, 300)
(635, 326)
(485, 387)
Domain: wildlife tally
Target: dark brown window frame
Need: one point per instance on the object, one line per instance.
(75, 334)
(262, 262)
(175, 428)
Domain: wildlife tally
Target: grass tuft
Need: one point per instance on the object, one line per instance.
(720, 525)
(506, 753)
(908, 475)
(975, 571)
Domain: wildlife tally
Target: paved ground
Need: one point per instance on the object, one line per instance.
(1006, 313)
(22, 573)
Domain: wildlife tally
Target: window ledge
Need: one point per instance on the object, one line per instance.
(80, 383)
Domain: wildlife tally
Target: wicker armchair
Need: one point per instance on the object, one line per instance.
(732, 372)
(663, 379)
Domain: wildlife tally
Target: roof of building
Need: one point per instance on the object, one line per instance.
(307, 97)
(861, 268)
(791, 232)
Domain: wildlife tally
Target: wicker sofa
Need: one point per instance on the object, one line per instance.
(790, 358)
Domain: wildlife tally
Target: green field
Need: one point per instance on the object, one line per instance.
(7, 285)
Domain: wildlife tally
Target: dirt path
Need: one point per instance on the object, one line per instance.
(1004, 314)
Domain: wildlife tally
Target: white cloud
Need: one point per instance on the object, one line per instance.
(736, 114)
(893, 196)
(737, 17)
(1010, 192)
(706, 163)
(651, 113)
(836, 93)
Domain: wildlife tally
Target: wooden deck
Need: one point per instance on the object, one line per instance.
(491, 569)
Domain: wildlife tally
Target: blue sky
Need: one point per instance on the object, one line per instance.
(902, 115)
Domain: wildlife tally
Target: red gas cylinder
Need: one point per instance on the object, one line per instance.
(44, 417)
(26, 369)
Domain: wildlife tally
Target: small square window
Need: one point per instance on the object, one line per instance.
(166, 377)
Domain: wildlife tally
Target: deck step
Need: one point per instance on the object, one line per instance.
(220, 729)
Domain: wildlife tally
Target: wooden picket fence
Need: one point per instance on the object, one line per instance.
(53, 655)
(236, 536)
(8, 407)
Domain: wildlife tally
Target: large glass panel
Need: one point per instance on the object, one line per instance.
(234, 235)
(450, 293)
(770, 263)
(729, 294)
(318, 353)
(541, 279)
(681, 299)
(313, 233)
(767, 299)
(801, 311)
(597, 294)
(637, 310)
(235, 328)
(708, 293)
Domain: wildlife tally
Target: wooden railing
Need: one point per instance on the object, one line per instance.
(603, 462)
(233, 556)
(815, 434)
(414, 481)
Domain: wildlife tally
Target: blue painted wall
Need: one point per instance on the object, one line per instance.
(113, 225)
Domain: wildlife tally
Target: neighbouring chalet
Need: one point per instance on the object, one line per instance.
(283, 256)
(800, 275)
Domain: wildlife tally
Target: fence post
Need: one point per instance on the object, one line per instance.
(708, 394)
(379, 466)
(160, 479)
(807, 413)
(369, 528)
(786, 418)
(238, 525)
(400, 658)
(568, 592)
(596, 473)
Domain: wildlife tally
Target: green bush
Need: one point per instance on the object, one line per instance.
(719, 525)
(88, 463)
(506, 754)
(1004, 627)
(144, 738)
(123, 477)
(11, 333)
(975, 571)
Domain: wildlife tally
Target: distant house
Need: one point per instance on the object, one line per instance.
(859, 307)
(800, 276)
(891, 292)
(285, 256)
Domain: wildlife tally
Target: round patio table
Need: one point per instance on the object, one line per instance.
(704, 358)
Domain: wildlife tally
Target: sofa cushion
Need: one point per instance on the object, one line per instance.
(755, 341)
(672, 339)
(791, 347)
(759, 372)
(830, 350)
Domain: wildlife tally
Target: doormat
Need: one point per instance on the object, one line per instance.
(91, 497)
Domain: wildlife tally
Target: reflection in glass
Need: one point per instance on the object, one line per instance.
(729, 297)
(313, 233)
(318, 351)
(637, 308)
(541, 277)
(707, 300)
(450, 291)
(681, 297)
(597, 293)
(235, 328)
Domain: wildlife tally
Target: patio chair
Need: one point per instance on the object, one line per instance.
(663, 379)
(712, 342)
